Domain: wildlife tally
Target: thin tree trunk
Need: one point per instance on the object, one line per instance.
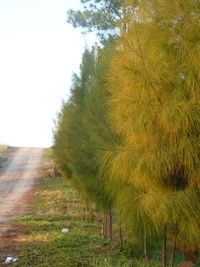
(120, 235)
(110, 225)
(91, 214)
(106, 224)
(86, 208)
(103, 225)
(164, 246)
(173, 250)
(124, 20)
(145, 247)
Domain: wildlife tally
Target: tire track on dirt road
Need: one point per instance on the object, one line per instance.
(16, 180)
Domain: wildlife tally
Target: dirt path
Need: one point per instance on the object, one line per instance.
(16, 182)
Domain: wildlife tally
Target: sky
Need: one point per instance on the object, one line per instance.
(39, 51)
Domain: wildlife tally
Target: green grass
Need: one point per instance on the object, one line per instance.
(58, 206)
(3, 149)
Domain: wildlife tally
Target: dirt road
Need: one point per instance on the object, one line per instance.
(16, 180)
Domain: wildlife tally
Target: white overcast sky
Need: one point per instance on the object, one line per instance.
(39, 52)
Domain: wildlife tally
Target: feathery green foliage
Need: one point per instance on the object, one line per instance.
(84, 131)
(154, 86)
(96, 15)
(129, 136)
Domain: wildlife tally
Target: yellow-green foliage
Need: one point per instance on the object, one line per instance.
(143, 142)
(82, 132)
(155, 107)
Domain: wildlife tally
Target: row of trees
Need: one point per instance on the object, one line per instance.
(128, 137)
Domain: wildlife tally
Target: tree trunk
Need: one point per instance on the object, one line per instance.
(120, 235)
(173, 250)
(91, 214)
(106, 224)
(164, 246)
(145, 247)
(103, 228)
(86, 208)
(109, 230)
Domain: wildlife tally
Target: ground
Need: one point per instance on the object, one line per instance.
(20, 169)
(31, 228)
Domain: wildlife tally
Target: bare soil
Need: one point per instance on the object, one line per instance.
(17, 188)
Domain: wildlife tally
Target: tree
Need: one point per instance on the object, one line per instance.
(84, 133)
(70, 136)
(154, 85)
(133, 129)
(96, 15)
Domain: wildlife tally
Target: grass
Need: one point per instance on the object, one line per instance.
(58, 206)
(3, 149)
(42, 243)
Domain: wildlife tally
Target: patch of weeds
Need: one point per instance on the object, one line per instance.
(2, 148)
(3, 156)
(6, 153)
(58, 206)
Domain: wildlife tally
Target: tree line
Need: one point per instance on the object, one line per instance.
(128, 136)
